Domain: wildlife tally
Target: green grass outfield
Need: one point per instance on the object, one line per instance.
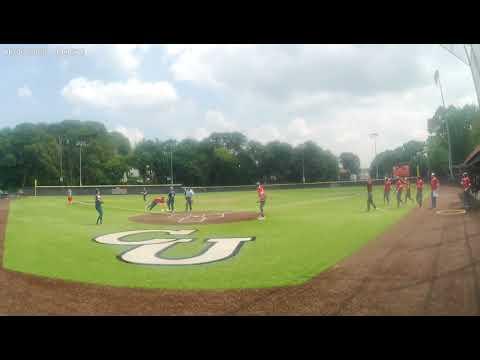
(306, 232)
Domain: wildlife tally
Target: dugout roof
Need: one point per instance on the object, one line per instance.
(473, 159)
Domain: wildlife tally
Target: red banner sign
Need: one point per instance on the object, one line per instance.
(401, 171)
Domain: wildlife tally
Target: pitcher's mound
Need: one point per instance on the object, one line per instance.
(201, 217)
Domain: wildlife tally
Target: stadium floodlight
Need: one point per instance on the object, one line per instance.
(374, 137)
(303, 163)
(303, 167)
(171, 167)
(469, 54)
(61, 141)
(81, 144)
(439, 84)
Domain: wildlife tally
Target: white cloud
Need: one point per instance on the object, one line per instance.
(279, 71)
(298, 130)
(332, 94)
(215, 120)
(132, 94)
(265, 133)
(128, 57)
(133, 134)
(199, 133)
(24, 91)
(192, 63)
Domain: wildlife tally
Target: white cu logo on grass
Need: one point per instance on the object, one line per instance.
(149, 252)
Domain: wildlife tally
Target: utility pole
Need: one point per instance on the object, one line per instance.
(303, 164)
(81, 144)
(171, 167)
(60, 142)
(437, 81)
(374, 137)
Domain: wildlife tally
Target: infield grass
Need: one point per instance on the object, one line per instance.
(306, 232)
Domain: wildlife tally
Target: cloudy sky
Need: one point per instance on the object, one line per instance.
(333, 94)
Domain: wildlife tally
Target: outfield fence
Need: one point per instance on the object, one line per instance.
(164, 188)
(104, 189)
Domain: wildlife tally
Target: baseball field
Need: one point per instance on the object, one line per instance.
(306, 231)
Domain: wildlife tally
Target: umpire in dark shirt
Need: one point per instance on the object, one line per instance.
(171, 199)
(370, 195)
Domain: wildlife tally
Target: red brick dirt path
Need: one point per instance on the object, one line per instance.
(426, 264)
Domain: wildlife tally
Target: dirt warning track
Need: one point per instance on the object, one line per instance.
(426, 264)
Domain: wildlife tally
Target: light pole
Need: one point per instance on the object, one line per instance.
(425, 156)
(81, 144)
(374, 137)
(439, 84)
(418, 156)
(171, 167)
(60, 143)
(303, 164)
(166, 153)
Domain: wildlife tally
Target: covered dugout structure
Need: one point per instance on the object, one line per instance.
(472, 166)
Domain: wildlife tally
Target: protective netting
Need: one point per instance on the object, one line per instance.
(457, 50)
(475, 66)
(469, 54)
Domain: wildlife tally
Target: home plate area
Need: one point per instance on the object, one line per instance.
(200, 217)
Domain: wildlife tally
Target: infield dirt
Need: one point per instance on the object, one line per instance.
(204, 217)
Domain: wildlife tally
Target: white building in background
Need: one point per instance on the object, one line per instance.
(364, 173)
(134, 172)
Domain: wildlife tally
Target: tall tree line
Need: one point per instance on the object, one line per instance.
(51, 152)
(432, 155)
(232, 159)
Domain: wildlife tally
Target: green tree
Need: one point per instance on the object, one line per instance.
(464, 125)
(120, 143)
(350, 162)
(408, 153)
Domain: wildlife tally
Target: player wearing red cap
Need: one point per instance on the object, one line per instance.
(156, 201)
(467, 185)
(408, 194)
(261, 200)
(399, 189)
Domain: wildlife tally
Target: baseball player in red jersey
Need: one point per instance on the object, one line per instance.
(156, 201)
(399, 189)
(467, 185)
(69, 197)
(419, 191)
(261, 200)
(435, 185)
(406, 184)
